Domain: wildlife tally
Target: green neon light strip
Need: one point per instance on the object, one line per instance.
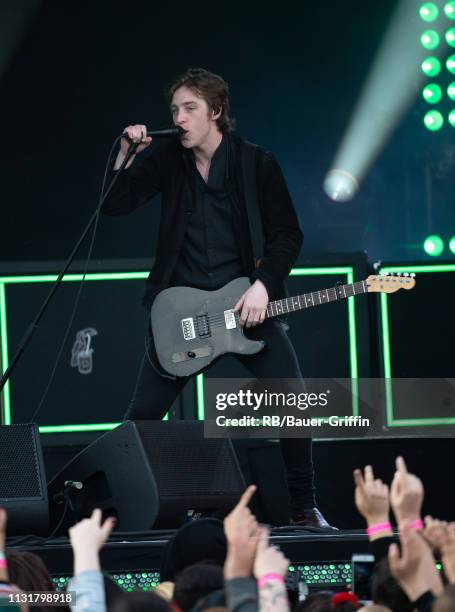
(391, 421)
(200, 396)
(49, 278)
(349, 271)
(96, 276)
(47, 429)
(4, 339)
(414, 422)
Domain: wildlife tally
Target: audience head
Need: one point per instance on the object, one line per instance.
(140, 601)
(28, 572)
(195, 582)
(327, 601)
(199, 541)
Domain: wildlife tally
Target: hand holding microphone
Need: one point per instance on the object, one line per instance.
(138, 134)
(135, 133)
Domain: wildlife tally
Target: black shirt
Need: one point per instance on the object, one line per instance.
(210, 255)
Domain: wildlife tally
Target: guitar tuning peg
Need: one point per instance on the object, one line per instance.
(405, 273)
(398, 274)
(412, 274)
(384, 273)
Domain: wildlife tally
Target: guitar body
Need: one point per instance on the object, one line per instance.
(191, 327)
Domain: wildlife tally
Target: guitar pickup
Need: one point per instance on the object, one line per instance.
(189, 332)
(203, 326)
(229, 319)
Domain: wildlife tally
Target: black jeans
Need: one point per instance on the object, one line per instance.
(155, 394)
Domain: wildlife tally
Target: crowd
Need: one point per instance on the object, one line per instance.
(212, 566)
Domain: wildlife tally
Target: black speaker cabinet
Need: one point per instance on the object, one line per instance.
(23, 491)
(148, 474)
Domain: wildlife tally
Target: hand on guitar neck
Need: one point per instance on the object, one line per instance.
(253, 305)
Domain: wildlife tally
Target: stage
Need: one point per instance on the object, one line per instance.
(320, 559)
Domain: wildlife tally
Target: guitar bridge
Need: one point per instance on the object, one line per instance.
(188, 329)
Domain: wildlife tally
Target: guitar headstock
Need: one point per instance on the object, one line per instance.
(389, 283)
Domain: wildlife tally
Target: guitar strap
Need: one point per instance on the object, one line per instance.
(249, 159)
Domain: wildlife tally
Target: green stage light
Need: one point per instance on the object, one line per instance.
(452, 117)
(432, 93)
(433, 120)
(429, 11)
(450, 63)
(451, 90)
(452, 244)
(449, 9)
(450, 37)
(430, 39)
(431, 66)
(433, 245)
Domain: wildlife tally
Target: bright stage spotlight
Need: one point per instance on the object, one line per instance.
(451, 117)
(450, 37)
(451, 91)
(429, 12)
(449, 9)
(431, 66)
(450, 64)
(452, 245)
(433, 120)
(392, 85)
(340, 185)
(432, 93)
(433, 245)
(430, 39)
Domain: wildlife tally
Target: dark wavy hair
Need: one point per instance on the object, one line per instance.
(210, 87)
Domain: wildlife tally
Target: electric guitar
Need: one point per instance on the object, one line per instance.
(191, 327)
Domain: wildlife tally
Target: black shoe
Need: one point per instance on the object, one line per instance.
(311, 517)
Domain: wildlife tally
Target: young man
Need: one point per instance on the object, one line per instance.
(204, 242)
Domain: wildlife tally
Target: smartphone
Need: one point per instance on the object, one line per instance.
(362, 571)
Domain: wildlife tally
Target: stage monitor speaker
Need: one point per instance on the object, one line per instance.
(23, 491)
(148, 474)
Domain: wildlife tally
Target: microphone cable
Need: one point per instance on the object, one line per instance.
(81, 285)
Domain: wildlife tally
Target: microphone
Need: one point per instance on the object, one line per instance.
(69, 487)
(166, 133)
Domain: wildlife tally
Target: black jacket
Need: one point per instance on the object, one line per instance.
(166, 170)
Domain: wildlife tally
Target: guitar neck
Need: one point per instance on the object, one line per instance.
(315, 298)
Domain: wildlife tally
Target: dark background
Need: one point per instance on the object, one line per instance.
(83, 71)
(73, 75)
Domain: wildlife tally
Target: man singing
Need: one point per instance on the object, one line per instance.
(204, 242)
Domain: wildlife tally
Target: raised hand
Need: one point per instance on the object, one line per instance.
(406, 493)
(87, 537)
(435, 533)
(448, 553)
(415, 570)
(241, 529)
(371, 497)
(269, 560)
(3, 568)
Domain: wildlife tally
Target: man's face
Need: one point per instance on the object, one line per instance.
(191, 113)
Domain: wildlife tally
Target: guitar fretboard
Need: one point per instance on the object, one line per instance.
(315, 298)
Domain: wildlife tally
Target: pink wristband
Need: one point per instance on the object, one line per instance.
(378, 528)
(417, 524)
(3, 563)
(268, 578)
